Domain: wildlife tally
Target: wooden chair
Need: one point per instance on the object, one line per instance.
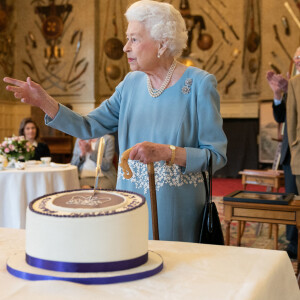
(273, 179)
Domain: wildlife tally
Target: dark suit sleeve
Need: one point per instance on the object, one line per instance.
(279, 111)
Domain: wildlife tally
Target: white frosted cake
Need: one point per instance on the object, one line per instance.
(84, 238)
(106, 232)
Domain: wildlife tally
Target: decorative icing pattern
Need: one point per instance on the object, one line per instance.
(164, 175)
(42, 205)
(88, 201)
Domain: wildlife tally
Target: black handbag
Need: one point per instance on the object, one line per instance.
(211, 229)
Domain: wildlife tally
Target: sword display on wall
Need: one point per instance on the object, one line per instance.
(277, 38)
(223, 19)
(222, 31)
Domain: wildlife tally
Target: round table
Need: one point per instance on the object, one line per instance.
(19, 187)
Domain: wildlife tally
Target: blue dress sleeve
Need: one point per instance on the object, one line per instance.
(210, 132)
(97, 123)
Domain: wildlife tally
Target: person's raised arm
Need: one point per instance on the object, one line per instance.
(32, 93)
(277, 83)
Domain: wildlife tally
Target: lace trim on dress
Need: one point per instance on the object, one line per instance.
(164, 175)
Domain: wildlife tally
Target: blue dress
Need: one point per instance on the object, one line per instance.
(187, 115)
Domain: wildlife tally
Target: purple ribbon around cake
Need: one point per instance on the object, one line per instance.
(91, 280)
(86, 267)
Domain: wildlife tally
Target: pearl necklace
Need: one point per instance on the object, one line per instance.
(157, 92)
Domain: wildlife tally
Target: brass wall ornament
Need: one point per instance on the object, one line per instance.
(53, 17)
(252, 49)
(113, 45)
(204, 40)
(253, 39)
(53, 27)
(7, 29)
(113, 71)
(3, 16)
(113, 48)
(53, 70)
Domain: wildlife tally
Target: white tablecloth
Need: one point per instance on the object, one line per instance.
(19, 187)
(191, 271)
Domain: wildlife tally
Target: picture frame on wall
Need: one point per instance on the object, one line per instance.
(269, 131)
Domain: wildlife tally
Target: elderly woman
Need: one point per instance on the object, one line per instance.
(29, 129)
(167, 112)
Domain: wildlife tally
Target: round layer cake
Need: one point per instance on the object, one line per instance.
(74, 231)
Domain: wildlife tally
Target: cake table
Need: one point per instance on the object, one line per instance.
(191, 271)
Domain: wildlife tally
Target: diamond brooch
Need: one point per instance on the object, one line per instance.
(187, 86)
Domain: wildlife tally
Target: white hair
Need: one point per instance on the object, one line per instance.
(163, 22)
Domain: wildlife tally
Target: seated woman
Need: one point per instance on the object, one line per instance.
(29, 129)
(85, 158)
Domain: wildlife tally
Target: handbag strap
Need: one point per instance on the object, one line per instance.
(208, 190)
(208, 185)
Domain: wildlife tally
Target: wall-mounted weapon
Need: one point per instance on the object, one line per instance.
(223, 19)
(276, 69)
(289, 9)
(229, 84)
(219, 68)
(235, 55)
(216, 24)
(212, 55)
(280, 42)
(285, 25)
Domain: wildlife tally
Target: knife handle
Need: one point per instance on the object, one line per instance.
(100, 154)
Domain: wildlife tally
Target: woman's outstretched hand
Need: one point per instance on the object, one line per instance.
(32, 93)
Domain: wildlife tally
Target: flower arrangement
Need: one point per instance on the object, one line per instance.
(16, 147)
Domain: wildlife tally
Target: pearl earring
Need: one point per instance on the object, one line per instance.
(158, 55)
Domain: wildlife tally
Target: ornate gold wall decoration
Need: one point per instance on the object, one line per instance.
(7, 30)
(62, 67)
(113, 63)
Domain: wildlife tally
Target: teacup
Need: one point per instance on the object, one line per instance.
(46, 160)
(20, 165)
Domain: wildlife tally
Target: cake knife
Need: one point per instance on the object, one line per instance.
(99, 161)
